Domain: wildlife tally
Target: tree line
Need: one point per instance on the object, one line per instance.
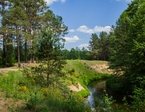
(21, 23)
(98, 49)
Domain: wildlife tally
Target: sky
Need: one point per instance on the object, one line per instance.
(84, 17)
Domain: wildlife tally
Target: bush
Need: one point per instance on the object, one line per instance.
(116, 87)
(138, 103)
(104, 103)
(52, 99)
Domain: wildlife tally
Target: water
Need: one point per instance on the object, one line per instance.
(95, 90)
(90, 98)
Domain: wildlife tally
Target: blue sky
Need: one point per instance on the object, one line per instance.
(84, 17)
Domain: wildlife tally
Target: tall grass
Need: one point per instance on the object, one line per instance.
(55, 98)
(40, 99)
(83, 73)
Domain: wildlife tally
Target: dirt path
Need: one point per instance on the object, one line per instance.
(15, 68)
(5, 70)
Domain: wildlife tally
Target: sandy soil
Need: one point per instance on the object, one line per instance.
(9, 104)
(76, 88)
(99, 66)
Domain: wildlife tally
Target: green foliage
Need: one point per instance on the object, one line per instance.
(76, 53)
(85, 73)
(40, 99)
(117, 87)
(53, 98)
(10, 84)
(128, 45)
(50, 57)
(138, 103)
(83, 93)
(106, 104)
(99, 46)
(128, 51)
(99, 49)
(33, 101)
(21, 22)
(108, 101)
(104, 46)
(55, 101)
(94, 45)
(10, 57)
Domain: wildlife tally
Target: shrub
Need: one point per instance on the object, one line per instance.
(116, 87)
(138, 103)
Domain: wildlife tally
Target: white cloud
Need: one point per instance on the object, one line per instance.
(85, 29)
(96, 29)
(71, 39)
(85, 45)
(99, 29)
(49, 2)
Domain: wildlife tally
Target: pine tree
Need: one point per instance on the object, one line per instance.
(7, 58)
(94, 46)
(128, 49)
(50, 57)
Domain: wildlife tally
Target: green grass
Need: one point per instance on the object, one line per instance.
(16, 86)
(9, 83)
(54, 98)
(40, 99)
(83, 73)
(79, 72)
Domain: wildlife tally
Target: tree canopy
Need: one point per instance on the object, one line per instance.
(128, 52)
(21, 22)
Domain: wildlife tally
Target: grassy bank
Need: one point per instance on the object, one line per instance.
(56, 97)
(80, 71)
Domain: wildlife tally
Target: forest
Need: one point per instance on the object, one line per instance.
(38, 74)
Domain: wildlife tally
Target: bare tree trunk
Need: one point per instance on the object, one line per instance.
(26, 51)
(32, 47)
(4, 39)
(18, 51)
(4, 52)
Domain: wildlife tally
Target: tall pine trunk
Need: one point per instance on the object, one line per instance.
(26, 51)
(4, 59)
(18, 51)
